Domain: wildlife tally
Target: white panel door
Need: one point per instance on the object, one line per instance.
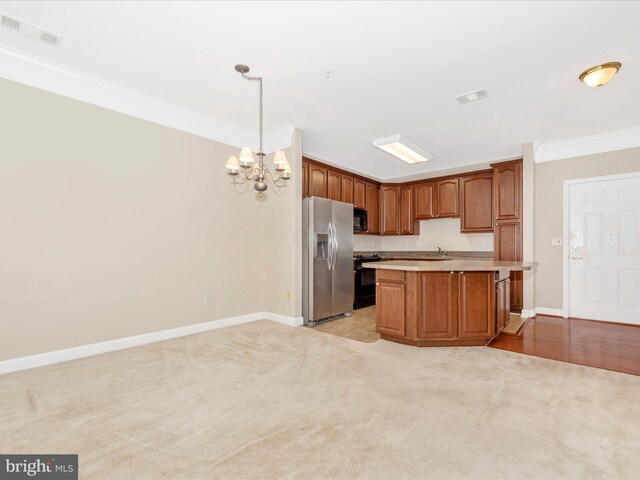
(604, 250)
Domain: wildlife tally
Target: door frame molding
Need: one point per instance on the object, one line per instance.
(566, 185)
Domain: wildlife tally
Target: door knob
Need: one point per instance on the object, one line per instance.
(576, 257)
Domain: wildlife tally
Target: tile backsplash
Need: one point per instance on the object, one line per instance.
(441, 232)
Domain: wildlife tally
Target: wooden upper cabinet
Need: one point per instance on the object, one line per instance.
(407, 215)
(438, 309)
(476, 306)
(334, 185)
(359, 195)
(476, 205)
(347, 188)
(447, 198)
(507, 236)
(424, 199)
(507, 241)
(373, 207)
(507, 190)
(317, 181)
(389, 206)
(305, 179)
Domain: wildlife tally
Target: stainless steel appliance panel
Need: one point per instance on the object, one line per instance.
(320, 216)
(327, 284)
(342, 258)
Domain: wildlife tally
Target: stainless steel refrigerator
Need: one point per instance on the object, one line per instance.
(327, 259)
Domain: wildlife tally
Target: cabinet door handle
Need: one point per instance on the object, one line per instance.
(377, 284)
(451, 273)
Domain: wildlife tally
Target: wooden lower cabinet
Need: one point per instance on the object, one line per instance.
(441, 308)
(477, 304)
(390, 303)
(507, 247)
(503, 315)
(438, 311)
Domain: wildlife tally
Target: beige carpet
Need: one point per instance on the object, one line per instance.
(360, 326)
(266, 401)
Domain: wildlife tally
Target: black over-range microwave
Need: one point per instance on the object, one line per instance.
(359, 220)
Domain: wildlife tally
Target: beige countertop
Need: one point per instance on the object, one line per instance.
(450, 265)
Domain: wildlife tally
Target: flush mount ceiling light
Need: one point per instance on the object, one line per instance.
(600, 74)
(472, 96)
(401, 148)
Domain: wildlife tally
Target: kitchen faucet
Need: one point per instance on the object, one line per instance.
(442, 253)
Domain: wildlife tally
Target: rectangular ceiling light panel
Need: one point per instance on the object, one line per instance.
(401, 148)
(472, 96)
(30, 31)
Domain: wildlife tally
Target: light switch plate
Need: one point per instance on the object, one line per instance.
(556, 242)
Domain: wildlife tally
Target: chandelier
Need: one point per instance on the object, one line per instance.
(259, 174)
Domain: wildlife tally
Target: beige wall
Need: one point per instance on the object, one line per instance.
(113, 226)
(549, 177)
(439, 232)
(282, 241)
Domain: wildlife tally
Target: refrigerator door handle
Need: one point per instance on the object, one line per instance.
(330, 247)
(335, 247)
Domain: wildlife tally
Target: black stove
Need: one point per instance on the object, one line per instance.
(373, 257)
(364, 281)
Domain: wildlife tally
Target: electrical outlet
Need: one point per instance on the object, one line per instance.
(419, 243)
(207, 300)
(556, 242)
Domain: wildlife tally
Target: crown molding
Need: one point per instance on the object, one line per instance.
(38, 72)
(578, 147)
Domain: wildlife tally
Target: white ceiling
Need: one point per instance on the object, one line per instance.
(397, 67)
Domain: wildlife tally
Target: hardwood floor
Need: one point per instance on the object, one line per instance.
(605, 345)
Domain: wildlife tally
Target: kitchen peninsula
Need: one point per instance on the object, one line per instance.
(443, 302)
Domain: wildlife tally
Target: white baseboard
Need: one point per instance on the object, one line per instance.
(276, 317)
(527, 313)
(556, 312)
(57, 356)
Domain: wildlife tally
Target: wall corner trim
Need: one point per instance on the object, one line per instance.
(58, 356)
(44, 74)
(588, 145)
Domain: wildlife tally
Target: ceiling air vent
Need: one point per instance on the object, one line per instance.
(471, 96)
(10, 23)
(31, 31)
(47, 37)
